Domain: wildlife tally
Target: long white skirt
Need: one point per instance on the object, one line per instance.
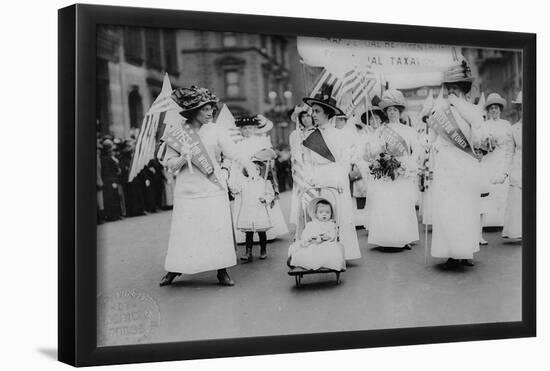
(334, 175)
(276, 216)
(512, 220)
(456, 205)
(201, 236)
(392, 215)
(495, 203)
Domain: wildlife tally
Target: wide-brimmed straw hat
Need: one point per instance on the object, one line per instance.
(391, 98)
(519, 98)
(495, 98)
(192, 98)
(324, 98)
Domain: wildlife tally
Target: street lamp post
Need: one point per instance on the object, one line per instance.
(277, 112)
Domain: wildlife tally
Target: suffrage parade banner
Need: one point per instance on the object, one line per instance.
(182, 137)
(403, 65)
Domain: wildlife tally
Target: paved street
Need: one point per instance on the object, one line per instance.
(381, 290)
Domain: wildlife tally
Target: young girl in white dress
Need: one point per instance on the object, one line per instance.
(256, 195)
(318, 246)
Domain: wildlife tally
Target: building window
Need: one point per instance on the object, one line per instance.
(152, 43)
(136, 108)
(232, 84)
(170, 49)
(133, 45)
(229, 40)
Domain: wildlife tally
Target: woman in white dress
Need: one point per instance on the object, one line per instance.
(201, 234)
(254, 130)
(495, 162)
(512, 219)
(392, 214)
(301, 116)
(376, 118)
(332, 168)
(456, 187)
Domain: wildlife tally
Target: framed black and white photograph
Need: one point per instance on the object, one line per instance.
(237, 185)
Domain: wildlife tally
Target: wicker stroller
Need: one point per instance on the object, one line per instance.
(310, 197)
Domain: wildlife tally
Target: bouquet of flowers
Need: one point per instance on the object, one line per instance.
(385, 166)
(486, 146)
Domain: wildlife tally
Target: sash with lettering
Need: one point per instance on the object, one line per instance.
(178, 136)
(395, 144)
(444, 124)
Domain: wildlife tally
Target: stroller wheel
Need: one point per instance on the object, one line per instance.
(298, 280)
(337, 278)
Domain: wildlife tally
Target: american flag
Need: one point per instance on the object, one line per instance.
(329, 78)
(146, 141)
(358, 85)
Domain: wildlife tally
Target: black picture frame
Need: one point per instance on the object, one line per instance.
(77, 172)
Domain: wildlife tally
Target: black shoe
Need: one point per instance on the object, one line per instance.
(168, 278)
(224, 279)
(467, 263)
(247, 257)
(263, 253)
(407, 247)
(450, 264)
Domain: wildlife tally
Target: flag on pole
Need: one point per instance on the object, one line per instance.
(161, 111)
(357, 86)
(328, 78)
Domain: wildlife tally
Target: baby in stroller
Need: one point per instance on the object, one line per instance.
(318, 245)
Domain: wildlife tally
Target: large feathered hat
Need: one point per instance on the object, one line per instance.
(495, 98)
(324, 98)
(193, 98)
(394, 98)
(247, 121)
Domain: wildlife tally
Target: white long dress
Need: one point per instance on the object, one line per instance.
(247, 148)
(513, 215)
(392, 214)
(328, 173)
(201, 235)
(493, 164)
(456, 195)
(358, 138)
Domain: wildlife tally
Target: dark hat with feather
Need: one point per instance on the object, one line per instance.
(324, 98)
(193, 98)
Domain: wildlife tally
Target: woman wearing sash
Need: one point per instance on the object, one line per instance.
(329, 158)
(201, 233)
(392, 214)
(456, 172)
(301, 116)
(495, 162)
